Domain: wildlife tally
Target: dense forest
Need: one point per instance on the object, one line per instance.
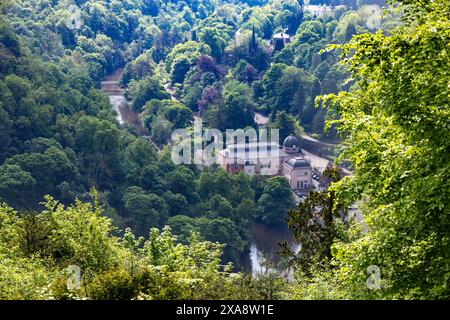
(80, 188)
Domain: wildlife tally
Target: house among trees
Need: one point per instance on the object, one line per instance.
(318, 11)
(267, 158)
(280, 40)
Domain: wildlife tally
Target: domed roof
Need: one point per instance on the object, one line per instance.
(299, 163)
(291, 142)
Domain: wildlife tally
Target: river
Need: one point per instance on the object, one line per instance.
(264, 239)
(264, 244)
(125, 114)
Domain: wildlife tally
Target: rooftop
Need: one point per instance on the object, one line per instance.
(291, 142)
(281, 35)
(299, 163)
(253, 154)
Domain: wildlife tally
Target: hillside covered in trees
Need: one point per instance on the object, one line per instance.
(78, 188)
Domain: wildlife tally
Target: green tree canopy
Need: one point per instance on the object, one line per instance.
(396, 122)
(276, 199)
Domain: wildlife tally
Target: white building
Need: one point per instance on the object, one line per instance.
(322, 10)
(267, 158)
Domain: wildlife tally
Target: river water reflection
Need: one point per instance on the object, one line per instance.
(125, 114)
(264, 243)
